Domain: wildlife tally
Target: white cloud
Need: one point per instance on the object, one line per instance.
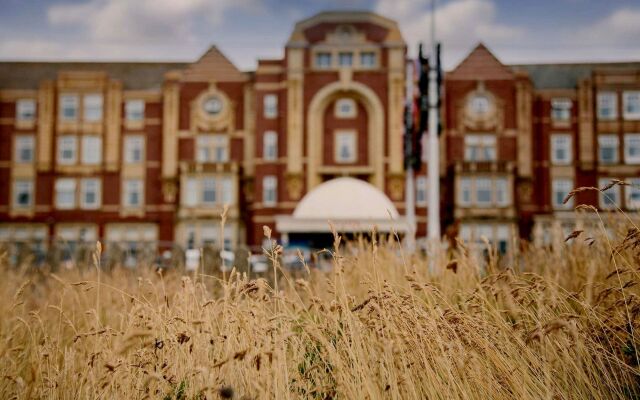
(143, 21)
(459, 24)
(620, 28)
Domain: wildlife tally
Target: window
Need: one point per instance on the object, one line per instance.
(465, 192)
(25, 109)
(69, 107)
(631, 102)
(345, 147)
(269, 190)
(209, 193)
(607, 105)
(608, 149)
(345, 108)
(270, 146)
(502, 192)
(270, 106)
(632, 148)
(91, 193)
(24, 146)
(132, 195)
(610, 198)
(560, 188)
(65, 193)
(480, 104)
(212, 148)
(345, 59)
(632, 193)
(561, 110)
(227, 190)
(134, 110)
(91, 150)
(67, 150)
(561, 149)
(190, 192)
(368, 59)
(480, 148)
(323, 60)
(421, 191)
(23, 193)
(134, 149)
(483, 192)
(92, 104)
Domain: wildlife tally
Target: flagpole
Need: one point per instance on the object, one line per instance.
(410, 193)
(433, 163)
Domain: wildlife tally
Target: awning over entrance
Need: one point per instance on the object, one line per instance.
(350, 204)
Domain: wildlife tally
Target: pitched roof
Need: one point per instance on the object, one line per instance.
(567, 76)
(480, 64)
(213, 66)
(134, 75)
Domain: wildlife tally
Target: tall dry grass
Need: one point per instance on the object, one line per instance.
(558, 324)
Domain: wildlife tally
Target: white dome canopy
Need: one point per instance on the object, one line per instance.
(347, 199)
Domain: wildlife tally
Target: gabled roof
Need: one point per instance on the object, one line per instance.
(480, 64)
(134, 75)
(213, 66)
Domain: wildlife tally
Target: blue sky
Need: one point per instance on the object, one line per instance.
(517, 31)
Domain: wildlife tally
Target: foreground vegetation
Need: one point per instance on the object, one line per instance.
(557, 323)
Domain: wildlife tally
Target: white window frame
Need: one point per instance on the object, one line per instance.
(95, 184)
(270, 146)
(502, 195)
(484, 184)
(465, 197)
(629, 140)
(630, 191)
(226, 190)
(612, 194)
(270, 105)
(209, 184)
(134, 149)
(70, 143)
(69, 101)
(269, 190)
(190, 192)
(560, 106)
(561, 184)
(607, 101)
(479, 148)
(26, 110)
(91, 149)
(609, 141)
(21, 186)
(351, 109)
(92, 107)
(212, 148)
(421, 191)
(350, 138)
(24, 143)
(561, 142)
(130, 186)
(628, 97)
(66, 186)
(134, 110)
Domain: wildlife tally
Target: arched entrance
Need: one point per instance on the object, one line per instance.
(375, 129)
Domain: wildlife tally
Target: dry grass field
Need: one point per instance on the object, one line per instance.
(558, 323)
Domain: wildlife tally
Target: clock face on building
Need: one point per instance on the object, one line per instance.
(479, 104)
(212, 105)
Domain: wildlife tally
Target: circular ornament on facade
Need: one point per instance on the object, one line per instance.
(212, 105)
(480, 104)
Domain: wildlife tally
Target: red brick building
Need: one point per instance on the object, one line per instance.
(151, 152)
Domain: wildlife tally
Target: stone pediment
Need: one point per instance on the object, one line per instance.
(481, 65)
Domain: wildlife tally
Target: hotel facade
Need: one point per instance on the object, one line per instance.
(155, 153)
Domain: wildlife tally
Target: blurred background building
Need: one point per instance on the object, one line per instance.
(145, 155)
